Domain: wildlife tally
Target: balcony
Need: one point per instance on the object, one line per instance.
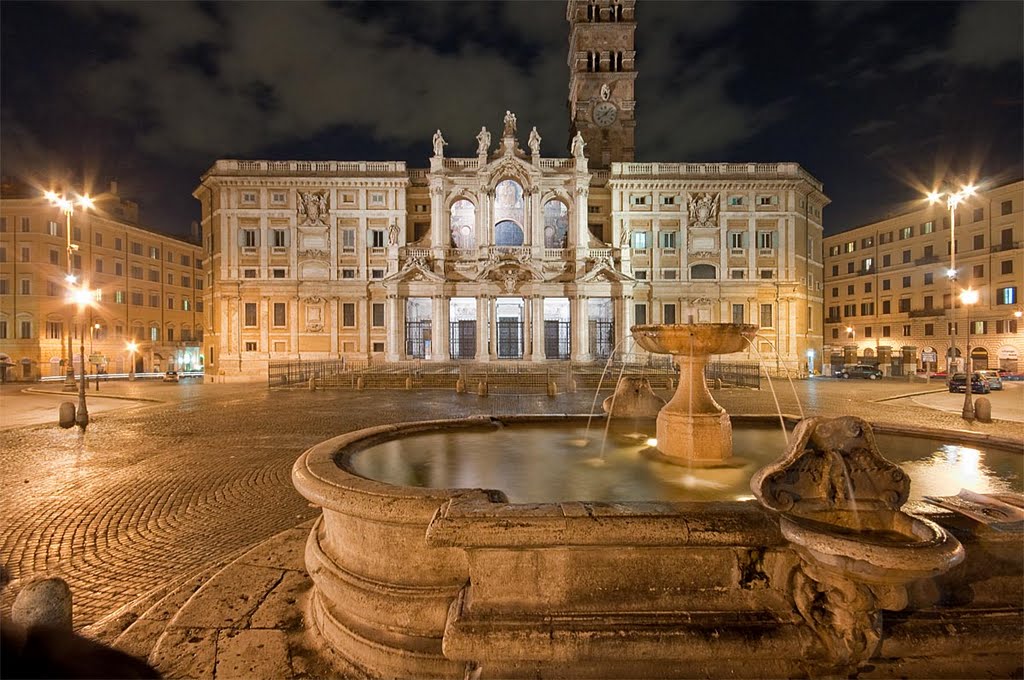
(927, 259)
(1001, 247)
(933, 311)
(834, 319)
(864, 271)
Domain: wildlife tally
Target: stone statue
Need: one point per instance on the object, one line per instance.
(510, 124)
(483, 142)
(393, 234)
(534, 142)
(606, 92)
(439, 144)
(578, 145)
(624, 237)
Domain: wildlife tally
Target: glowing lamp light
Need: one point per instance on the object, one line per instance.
(71, 278)
(132, 346)
(969, 297)
(1018, 314)
(951, 273)
(652, 442)
(83, 296)
(85, 202)
(849, 329)
(934, 197)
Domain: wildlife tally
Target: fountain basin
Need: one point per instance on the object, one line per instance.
(445, 582)
(694, 339)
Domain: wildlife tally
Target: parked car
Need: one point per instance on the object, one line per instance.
(171, 376)
(860, 371)
(994, 380)
(958, 383)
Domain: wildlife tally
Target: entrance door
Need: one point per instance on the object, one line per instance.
(417, 339)
(602, 338)
(556, 339)
(462, 339)
(510, 338)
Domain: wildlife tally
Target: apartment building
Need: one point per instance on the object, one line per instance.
(150, 289)
(889, 298)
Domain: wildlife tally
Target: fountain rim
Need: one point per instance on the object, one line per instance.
(323, 476)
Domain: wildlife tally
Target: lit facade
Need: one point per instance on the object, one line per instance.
(510, 254)
(150, 290)
(888, 283)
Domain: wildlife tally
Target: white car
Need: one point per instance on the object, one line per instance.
(171, 376)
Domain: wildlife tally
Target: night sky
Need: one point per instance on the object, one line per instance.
(878, 100)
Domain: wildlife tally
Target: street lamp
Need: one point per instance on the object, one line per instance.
(83, 297)
(67, 206)
(953, 199)
(131, 347)
(968, 297)
(92, 340)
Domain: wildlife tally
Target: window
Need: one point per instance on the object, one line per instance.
(280, 313)
(669, 274)
(833, 251)
(737, 274)
(735, 200)
(186, 261)
(376, 273)
(378, 315)
(248, 197)
(867, 331)
(1006, 267)
(979, 327)
(278, 238)
(119, 269)
(377, 238)
(348, 273)
(979, 214)
(54, 257)
(885, 238)
(906, 257)
(906, 232)
(849, 289)
(1006, 296)
(886, 260)
(249, 238)
(250, 314)
(51, 228)
(979, 241)
(250, 346)
(154, 253)
(738, 313)
(26, 330)
(54, 330)
(906, 282)
(736, 239)
(348, 240)
(3, 329)
(154, 300)
(867, 242)
(278, 197)
(170, 278)
(849, 246)
(186, 305)
(867, 287)
(26, 286)
(154, 333)
(929, 278)
(199, 284)
(905, 305)
(137, 298)
(248, 273)
(348, 314)
(186, 282)
(117, 243)
(867, 264)
(849, 310)
(668, 239)
(703, 271)
(119, 297)
(767, 200)
(668, 200)
(979, 271)
(835, 292)
(76, 261)
(154, 275)
(766, 316)
(641, 240)
(906, 330)
(170, 302)
(640, 313)
(835, 270)
(377, 198)
(886, 331)
(3, 224)
(278, 273)
(928, 228)
(136, 248)
(929, 302)
(668, 313)
(640, 200)
(766, 239)
(835, 333)
(378, 347)
(640, 274)
(4, 287)
(26, 254)
(886, 306)
(929, 329)
(26, 225)
(850, 267)
(1006, 207)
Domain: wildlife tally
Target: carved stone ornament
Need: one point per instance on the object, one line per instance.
(313, 207)
(701, 302)
(313, 254)
(704, 255)
(510, 125)
(509, 280)
(606, 92)
(703, 209)
(313, 300)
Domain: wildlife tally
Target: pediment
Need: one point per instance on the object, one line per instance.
(414, 269)
(511, 167)
(602, 271)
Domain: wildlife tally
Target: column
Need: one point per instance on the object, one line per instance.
(492, 316)
(395, 331)
(481, 328)
(439, 328)
(265, 322)
(335, 323)
(293, 328)
(626, 322)
(527, 328)
(537, 309)
(580, 329)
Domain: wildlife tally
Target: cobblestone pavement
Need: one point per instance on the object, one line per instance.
(154, 493)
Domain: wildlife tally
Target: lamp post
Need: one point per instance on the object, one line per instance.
(131, 347)
(83, 297)
(67, 206)
(968, 297)
(953, 199)
(92, 340)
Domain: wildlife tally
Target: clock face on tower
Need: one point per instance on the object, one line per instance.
(605, 114)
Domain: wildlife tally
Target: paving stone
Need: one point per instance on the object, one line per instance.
(141, 637)
(285, 550)
(186, 653)
(280, 608)
(251, 654)
(229, 598)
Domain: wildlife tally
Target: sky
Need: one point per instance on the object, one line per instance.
(880, 101)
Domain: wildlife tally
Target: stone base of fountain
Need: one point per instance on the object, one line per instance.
(700, 440)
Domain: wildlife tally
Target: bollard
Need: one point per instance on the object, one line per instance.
(552, 388)
(718, 383)
(481, 388)
(67, 414)
(571, 387)
(312, 384)
(408, 383)
(360, 383)
(671, 383)
(983, 410)
(44, 602)
(460, 386)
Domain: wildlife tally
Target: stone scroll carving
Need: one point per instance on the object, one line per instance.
(703, 209)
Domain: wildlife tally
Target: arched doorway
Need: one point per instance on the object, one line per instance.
(979, 359)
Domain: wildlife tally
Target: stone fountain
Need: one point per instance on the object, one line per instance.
(692, 428)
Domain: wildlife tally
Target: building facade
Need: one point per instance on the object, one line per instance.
(150, 289)
(890, 299)
(510, 254)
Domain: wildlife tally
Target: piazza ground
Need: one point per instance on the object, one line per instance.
(156, 490)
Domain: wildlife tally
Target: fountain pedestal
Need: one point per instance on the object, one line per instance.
(693, 429)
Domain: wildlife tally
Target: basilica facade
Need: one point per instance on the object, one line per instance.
(510, 255)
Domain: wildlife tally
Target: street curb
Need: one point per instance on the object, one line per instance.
(908, 395)
(93, 395)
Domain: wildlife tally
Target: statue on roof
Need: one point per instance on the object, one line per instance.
(439, 144)
(510, 124)
(578, 145)
(534, 142)
(483, 142)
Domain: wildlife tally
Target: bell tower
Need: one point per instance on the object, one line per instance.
(602, 76)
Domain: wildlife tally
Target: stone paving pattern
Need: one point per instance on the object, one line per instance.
(152, 495)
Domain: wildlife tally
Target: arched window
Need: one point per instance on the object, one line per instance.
(509, 213)
(463, 224)
(556, 224)
(703, 271)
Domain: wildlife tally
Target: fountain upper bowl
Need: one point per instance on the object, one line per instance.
(694, 339)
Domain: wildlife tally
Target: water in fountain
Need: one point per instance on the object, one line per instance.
(785, 366)
(771, 387)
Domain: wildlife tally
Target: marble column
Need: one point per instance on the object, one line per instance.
(482, 328)
(492, 316)
(395, 333)
(539, 352)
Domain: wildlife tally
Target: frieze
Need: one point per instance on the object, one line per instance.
(313, 254)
